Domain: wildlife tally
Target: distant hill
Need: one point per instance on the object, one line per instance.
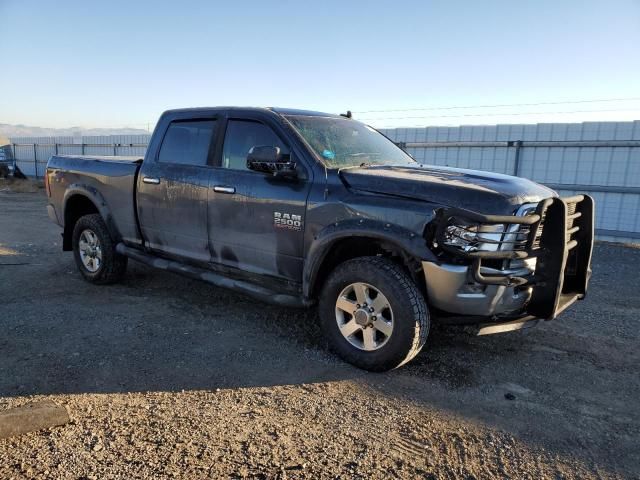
(8, 130)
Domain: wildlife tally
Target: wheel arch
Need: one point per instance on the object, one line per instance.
(80, 200)
(352, 239)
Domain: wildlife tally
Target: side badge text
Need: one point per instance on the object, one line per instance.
(287, 220)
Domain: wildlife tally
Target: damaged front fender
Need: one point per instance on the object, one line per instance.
(408, 243)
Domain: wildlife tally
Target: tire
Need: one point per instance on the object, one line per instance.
(407, 314)
(108, 266)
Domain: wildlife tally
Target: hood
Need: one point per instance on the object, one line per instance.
(484, 192)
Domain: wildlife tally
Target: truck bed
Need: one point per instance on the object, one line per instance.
(108, 180)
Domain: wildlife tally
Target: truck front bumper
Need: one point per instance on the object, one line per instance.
(451, 288)
(550, 248)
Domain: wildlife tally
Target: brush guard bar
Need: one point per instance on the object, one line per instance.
(559, 234)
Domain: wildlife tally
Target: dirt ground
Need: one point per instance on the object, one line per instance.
(167, 377)
(15, 185)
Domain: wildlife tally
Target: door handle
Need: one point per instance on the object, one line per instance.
(151, 180)
(222, 189)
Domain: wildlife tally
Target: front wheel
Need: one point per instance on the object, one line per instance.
(95, 252)
(373, 314)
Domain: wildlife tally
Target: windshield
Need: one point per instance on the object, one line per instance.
(342, 142)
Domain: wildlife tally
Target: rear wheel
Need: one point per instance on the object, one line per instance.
(95, 252)
(373, 314)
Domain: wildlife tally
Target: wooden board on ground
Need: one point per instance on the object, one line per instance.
(32, 417)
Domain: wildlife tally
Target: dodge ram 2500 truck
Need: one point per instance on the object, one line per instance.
(297, 207)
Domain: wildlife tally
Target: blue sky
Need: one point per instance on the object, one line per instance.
(121, 63)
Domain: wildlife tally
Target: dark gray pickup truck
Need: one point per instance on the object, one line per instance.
(297, 207)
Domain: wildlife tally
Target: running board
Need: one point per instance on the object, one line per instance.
(255, 291)
(491, 328)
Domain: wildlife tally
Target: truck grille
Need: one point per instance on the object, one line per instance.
(572, 223)
(535, 232)
(535, 243)
(572, 226)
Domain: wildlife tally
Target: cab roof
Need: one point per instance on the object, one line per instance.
(306, 113)
(277, 110)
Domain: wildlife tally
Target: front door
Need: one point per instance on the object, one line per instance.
(256, 221)
(173, 191)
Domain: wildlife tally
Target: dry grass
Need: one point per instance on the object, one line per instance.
(17, 185)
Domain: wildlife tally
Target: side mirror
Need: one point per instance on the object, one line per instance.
(268, 159)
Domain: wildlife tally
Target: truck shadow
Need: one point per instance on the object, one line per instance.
(160, 332)
(154, 332)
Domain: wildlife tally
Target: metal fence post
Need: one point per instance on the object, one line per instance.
(15, 160)
(35, 159)
(516, 159)
(115, 152)
(82, 149)
(56, 148)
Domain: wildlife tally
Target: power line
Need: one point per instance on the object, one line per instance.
(502, 105)
(501, 114)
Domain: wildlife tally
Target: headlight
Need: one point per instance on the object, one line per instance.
(462, 237)
(471, 238)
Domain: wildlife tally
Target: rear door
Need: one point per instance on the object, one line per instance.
(173, 190)
(256, 221)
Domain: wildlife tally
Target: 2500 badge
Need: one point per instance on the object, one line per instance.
(287, 220)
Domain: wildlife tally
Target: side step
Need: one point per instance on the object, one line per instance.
(491, 328)
(213, 278)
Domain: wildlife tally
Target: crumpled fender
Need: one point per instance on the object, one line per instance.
(412, 243)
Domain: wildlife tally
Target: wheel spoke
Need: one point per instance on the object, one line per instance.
(383, 327)
(379, 304)
(368, 334)
(349, 328)
(346, 305)
(360, 290)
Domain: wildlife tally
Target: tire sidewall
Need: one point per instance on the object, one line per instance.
(403, 337)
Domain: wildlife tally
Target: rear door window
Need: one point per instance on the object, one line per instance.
(188, 142)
